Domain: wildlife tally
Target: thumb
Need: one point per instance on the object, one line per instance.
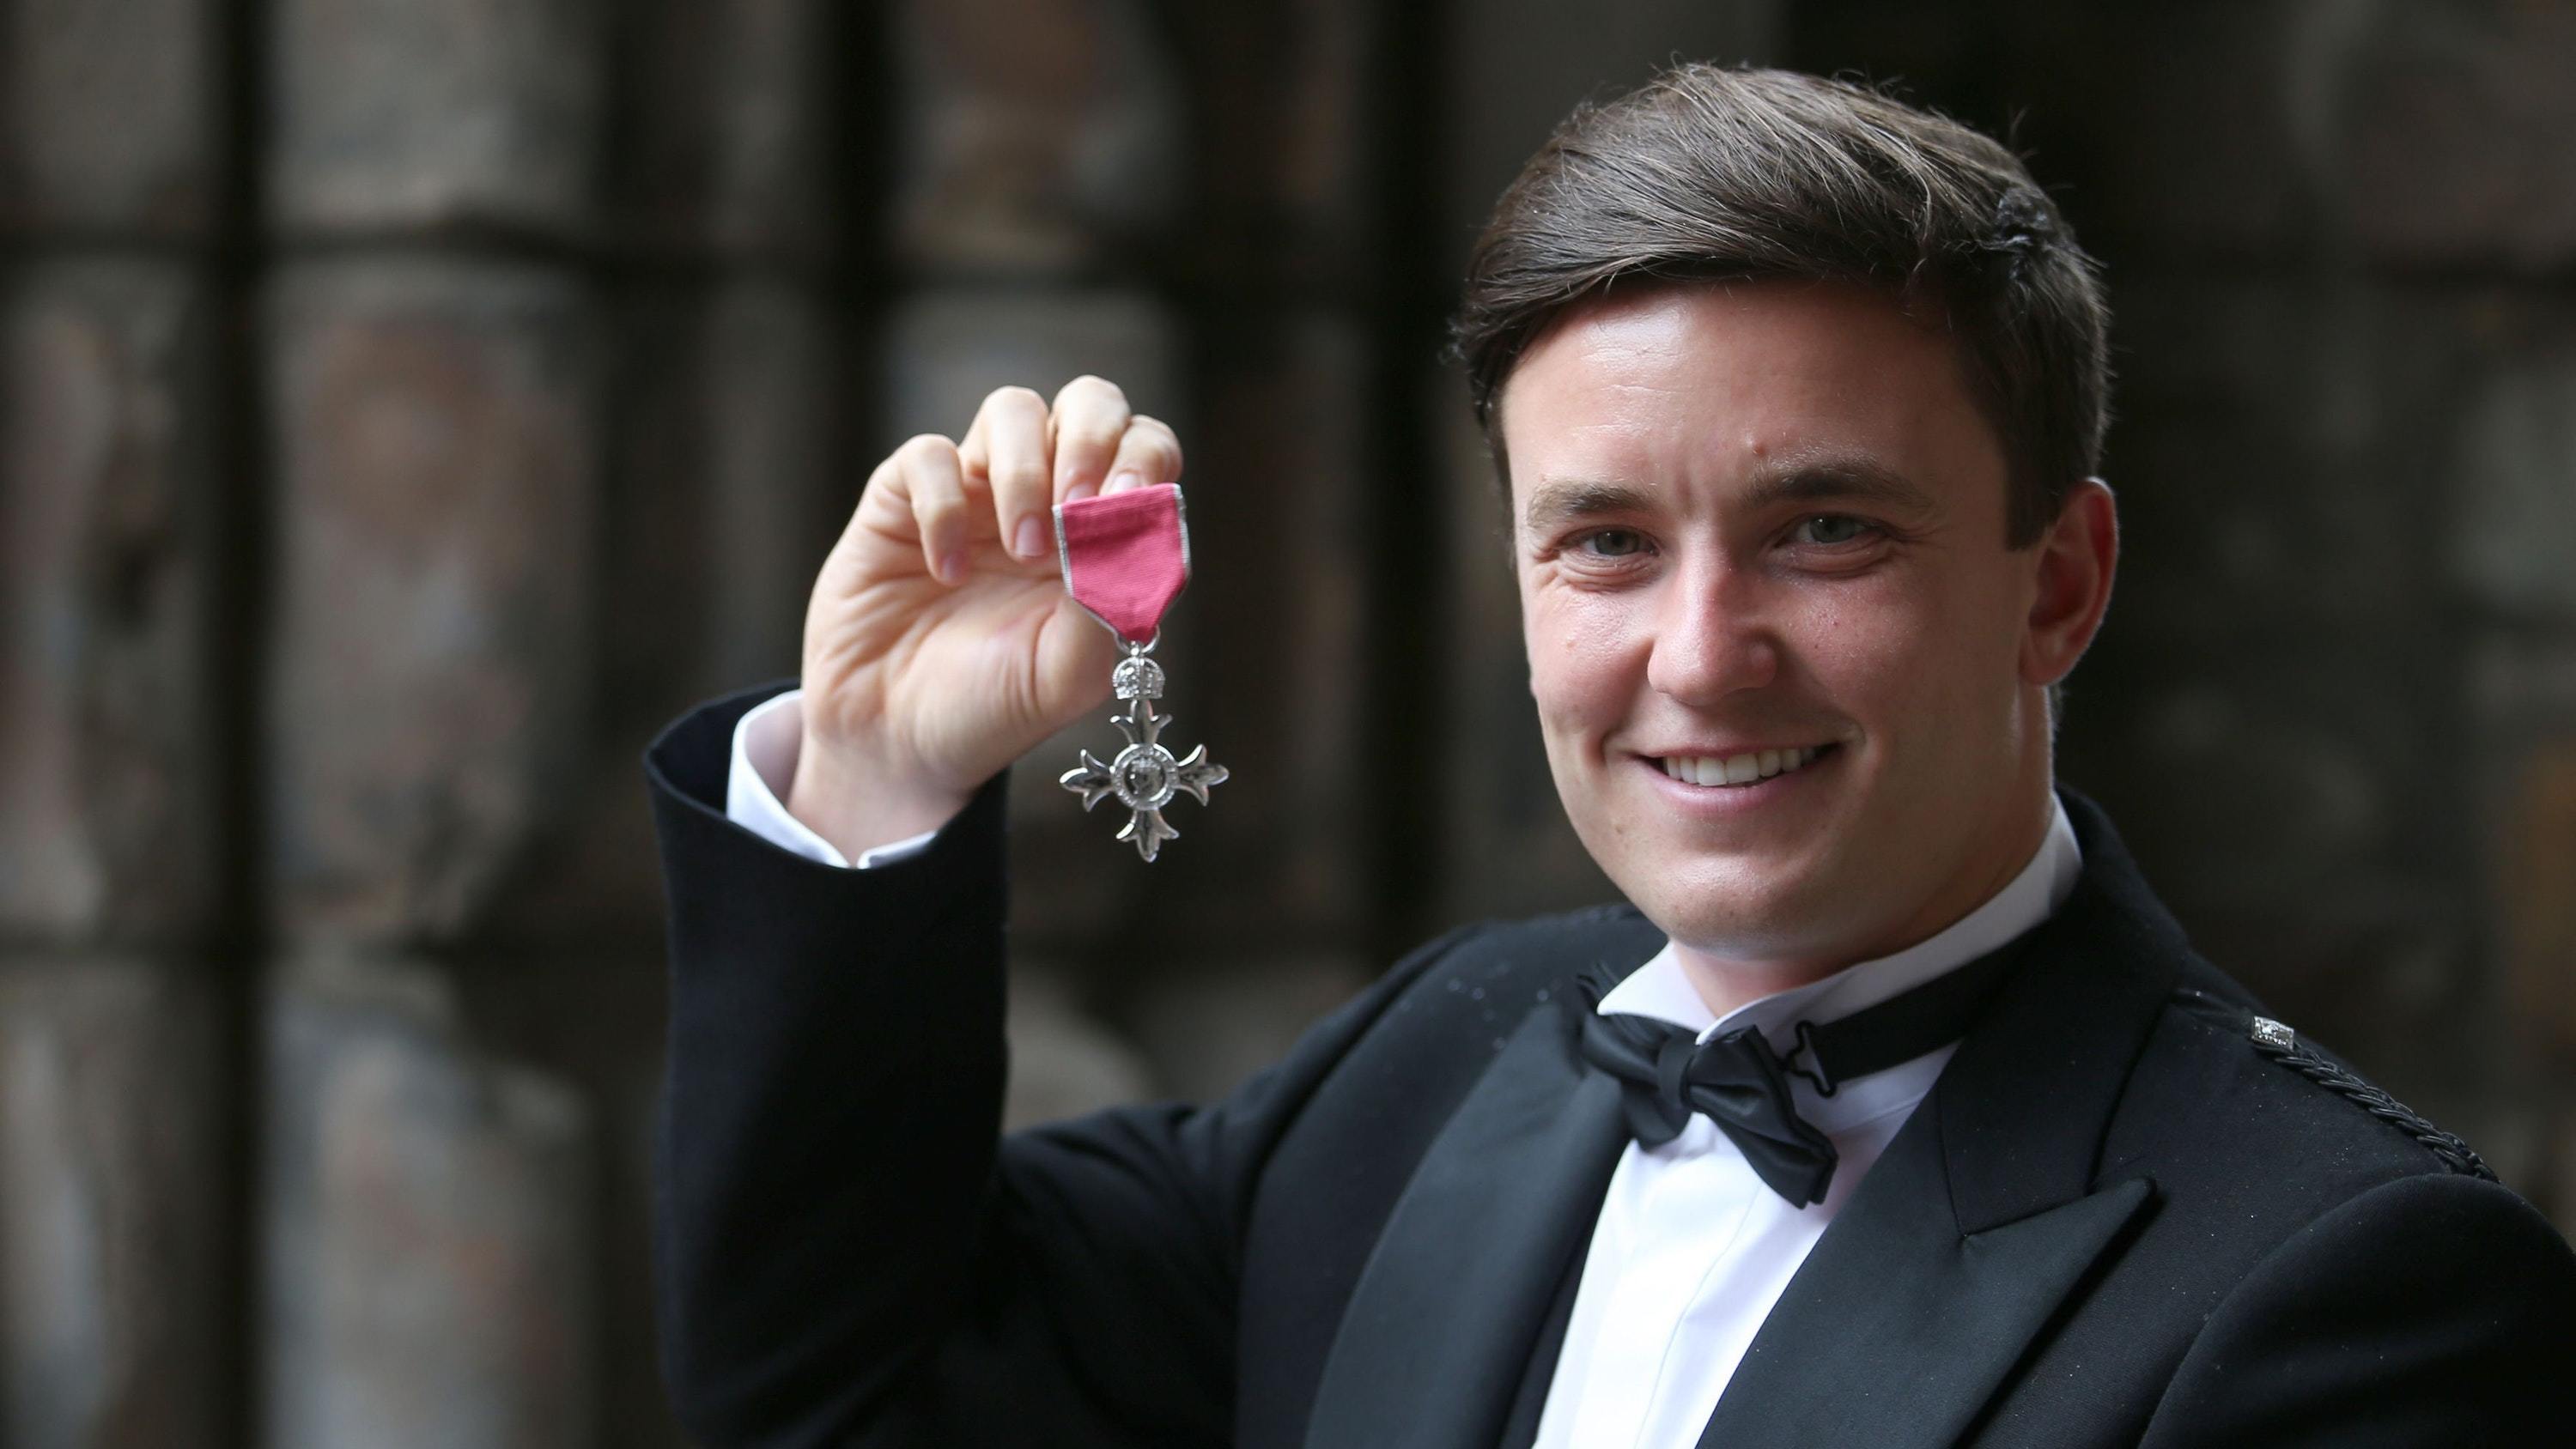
(1076, 653)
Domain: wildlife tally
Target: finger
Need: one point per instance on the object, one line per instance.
(930, 473)
(884, 509)
(1013, 431)
(1150, 453)
(975, 452)
(1090, 417)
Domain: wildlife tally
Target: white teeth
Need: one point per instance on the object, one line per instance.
(1741, 769)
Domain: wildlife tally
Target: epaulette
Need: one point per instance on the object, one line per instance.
(2282, 1045)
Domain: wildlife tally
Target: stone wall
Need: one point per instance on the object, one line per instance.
(121, 1089)
(406, 409)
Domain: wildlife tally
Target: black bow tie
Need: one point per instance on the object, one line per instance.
(1738, 1081)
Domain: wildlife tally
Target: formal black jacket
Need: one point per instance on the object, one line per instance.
(2118, 1218)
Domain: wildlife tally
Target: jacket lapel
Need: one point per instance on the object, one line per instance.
(1982, 1216)
(1898, 1327)
(1443, 1319)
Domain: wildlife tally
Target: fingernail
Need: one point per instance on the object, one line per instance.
(952, 567)
(1124, 479)
(1080, 490)
(1031, 540)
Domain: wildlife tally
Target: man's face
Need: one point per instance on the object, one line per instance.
(1766, 520)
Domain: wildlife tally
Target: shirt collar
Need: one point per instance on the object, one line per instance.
(1661, 990)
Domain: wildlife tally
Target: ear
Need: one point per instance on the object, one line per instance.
(2074, 560)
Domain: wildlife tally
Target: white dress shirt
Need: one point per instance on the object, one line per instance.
(1691, 1249)
(765, 745)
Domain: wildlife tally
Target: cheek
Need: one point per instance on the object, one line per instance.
(1583, 654)
(1872, 647)
(1862, 638)
(1914, 654)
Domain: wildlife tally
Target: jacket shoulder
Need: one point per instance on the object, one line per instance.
(1457, 999)
(2280, 1043)
(2225, 1080)
(1615, 934)
(1465, 990)
(1517, 959)
(2445, 1299)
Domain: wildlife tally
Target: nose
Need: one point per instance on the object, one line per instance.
(1712, 636)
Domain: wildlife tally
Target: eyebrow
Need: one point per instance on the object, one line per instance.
(1559, 501)
(1838, 480)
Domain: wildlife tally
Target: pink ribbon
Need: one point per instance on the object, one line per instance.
(1125, 556)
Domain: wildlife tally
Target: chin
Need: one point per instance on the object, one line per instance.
(1768, 919)
(1725, 905)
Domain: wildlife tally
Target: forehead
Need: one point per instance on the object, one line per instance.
(1709, 383)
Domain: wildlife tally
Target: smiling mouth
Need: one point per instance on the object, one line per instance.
(1738, 771)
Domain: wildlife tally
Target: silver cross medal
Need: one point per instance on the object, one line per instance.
(1144, 776)
(1125, 557)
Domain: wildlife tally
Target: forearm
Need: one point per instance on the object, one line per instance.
(846, 1253)
(831, 1105)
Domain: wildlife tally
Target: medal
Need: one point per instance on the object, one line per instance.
(1125, 557)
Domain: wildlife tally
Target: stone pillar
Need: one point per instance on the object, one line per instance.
(386, 116)
(732, 139)
(1037, 139)
(107, 571)
(435, 375)
(109, 114)
(437, 447)
(116, 1213)
(427, 1249)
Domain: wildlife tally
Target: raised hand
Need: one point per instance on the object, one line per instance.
(939, 644)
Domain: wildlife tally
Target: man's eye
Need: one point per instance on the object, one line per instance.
(1830, 528)
(1611, 542)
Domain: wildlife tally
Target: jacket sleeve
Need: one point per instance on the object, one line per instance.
(2434, 1310)
(847, 1251)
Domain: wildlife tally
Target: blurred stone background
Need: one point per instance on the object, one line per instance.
(405, 408)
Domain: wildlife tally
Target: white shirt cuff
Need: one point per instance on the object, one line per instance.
(765, 743)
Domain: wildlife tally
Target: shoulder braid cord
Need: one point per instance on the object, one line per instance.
(2281, 1044)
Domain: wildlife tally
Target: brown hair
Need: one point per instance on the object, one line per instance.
(1710, 173)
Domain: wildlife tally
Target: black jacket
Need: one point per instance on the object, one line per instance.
(2118, 1218)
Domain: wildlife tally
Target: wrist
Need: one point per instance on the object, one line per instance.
(859, 805)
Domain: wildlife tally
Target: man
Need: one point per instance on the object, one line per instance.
(1892, 1110)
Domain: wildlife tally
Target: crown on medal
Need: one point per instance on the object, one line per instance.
(1137, 677)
